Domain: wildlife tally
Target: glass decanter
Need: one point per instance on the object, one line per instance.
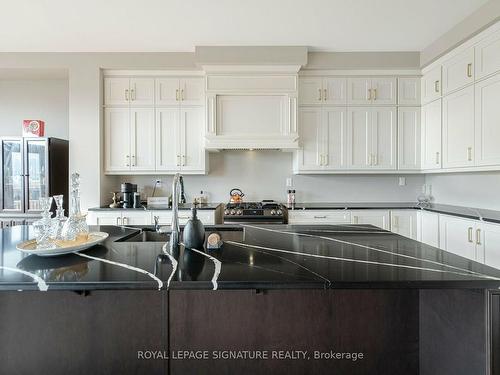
(75, 228)
(59, 220)
(43, 226)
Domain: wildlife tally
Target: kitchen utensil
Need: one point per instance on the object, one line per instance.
(236, 196)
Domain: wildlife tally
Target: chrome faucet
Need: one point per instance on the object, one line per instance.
(175, 234)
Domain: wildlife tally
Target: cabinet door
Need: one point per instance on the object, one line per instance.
(142, 91)
(142, 144)
(456, 235)
(168, 153)
(383, 149)
(192, 91)
(487, 56)
(378, 218)
(136, 218)
(335, 91)
(487, 125)
(431, 85)
(334, 137)
(309, 157)
(429, 228)
(191, 138)
(409, 91)
(458, 128)
(431, 135)
(310, 91)
(36, 170)
(383, 91)
(12, 175)
(404, 223)
(359, 138)
(409, 138)
(167, 91)
(458, 71)
(359, 91)
(117, 139)
(488, 243)
(116, 91)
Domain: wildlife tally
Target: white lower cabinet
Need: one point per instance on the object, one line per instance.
(457, 235)
(319, 217)
(488, 236)
(404, 223)
(428, 228)
(378, 218)
(119, 218)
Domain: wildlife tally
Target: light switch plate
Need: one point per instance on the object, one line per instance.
(402, 181)
(289, 182)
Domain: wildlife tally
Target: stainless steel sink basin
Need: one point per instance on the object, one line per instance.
(148, 236)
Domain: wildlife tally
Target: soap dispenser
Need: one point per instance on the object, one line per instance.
(194, 232)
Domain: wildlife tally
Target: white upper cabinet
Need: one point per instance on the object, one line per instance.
(487, 124)
(142, 92)
(409, 91)
(487, 55)
(431, 85)
(335, 91)
(458, 71)
(317, 90)
(383, 91)
(116, 91)
(431, 135)
(310, 90)
(167, 91)
(168, 147)
(183, 91)
(409, 138)
(142, 139)
(121, 91)
(458, 129)
(378, 218)
(334, 138)
(359, 138)
(377, 91)
(308, 158)
(191, 139)
(383, 152)
(117, 139)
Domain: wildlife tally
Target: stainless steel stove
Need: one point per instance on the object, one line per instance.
(265, 212)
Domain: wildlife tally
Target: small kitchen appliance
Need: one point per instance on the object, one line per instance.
(236, 196)
(265, 212)
(128, 190)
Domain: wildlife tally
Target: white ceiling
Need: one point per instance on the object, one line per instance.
(179, 25)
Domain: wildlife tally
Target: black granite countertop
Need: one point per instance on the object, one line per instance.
(467, 212)
(252, 257)
(185, 206)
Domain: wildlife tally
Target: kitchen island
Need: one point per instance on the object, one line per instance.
(351, 299)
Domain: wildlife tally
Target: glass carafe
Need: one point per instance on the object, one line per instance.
(75, 228)
(59, 220)
(43, 226)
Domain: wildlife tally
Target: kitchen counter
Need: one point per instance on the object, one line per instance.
(467, 212)
(185, 206)
(252, 257)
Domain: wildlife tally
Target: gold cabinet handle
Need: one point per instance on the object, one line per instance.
(375, 159)
(396, 221)
(319, 97)
(127, 162)
(469, 70)
(369, 159)
(178, 160)
(117, 220)
(182, 94)
(325, 159)
(469, 153)
(324, 94)
(133, 160)
(437, 157)
(436, 86)
(469, 234)
(320, 217)
(355, 219)
(374, 94)
(125, 221)
(132, 94)
(126, 95)
(369, 94)
(184, 160)
(177, 94)
(478, 236)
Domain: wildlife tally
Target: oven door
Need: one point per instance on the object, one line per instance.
(253, 220)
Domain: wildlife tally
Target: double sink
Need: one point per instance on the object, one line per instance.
(233, 233)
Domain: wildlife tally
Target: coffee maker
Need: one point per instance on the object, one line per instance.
(128, 190)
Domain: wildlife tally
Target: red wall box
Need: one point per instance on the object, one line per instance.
(33, 128)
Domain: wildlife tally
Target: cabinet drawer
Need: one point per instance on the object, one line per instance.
(319, 217)
(207, 217)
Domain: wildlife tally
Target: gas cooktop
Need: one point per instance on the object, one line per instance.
(266, 211)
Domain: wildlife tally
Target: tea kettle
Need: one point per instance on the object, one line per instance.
(236, 196)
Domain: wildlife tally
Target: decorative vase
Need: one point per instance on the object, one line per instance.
(194, 232)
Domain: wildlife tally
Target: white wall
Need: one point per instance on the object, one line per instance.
(34, 99)
(262, 175)
(478, 189)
